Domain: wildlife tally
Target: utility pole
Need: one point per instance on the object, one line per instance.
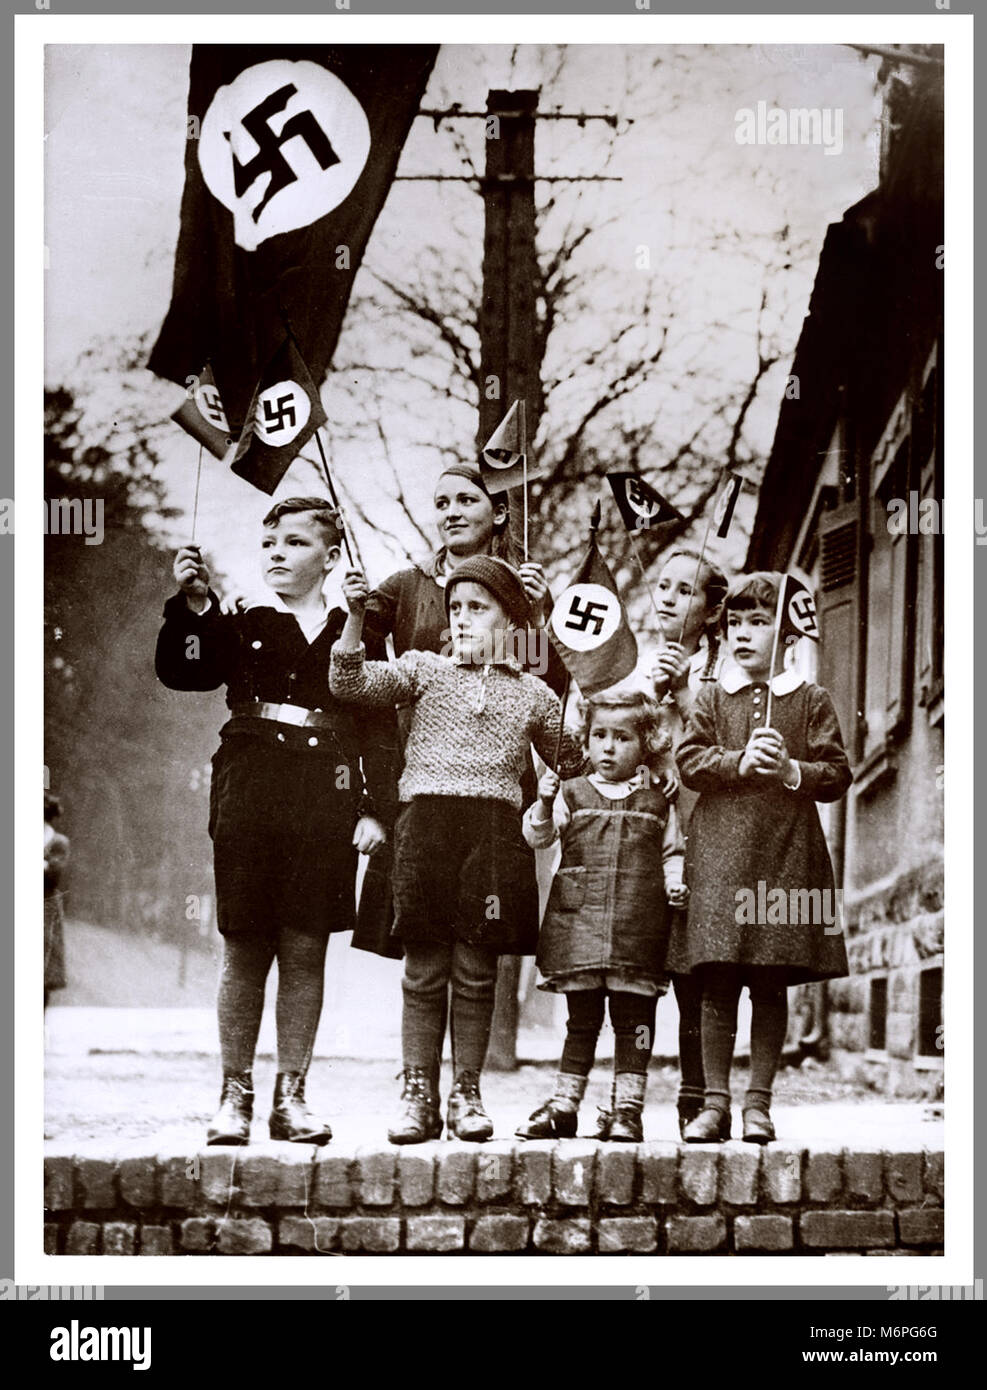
(509, 370)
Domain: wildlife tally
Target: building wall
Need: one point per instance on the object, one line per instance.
(869, 359)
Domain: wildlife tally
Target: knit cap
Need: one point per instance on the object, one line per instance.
(499, 579)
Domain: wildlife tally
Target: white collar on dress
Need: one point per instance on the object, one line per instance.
(615, 791)
(734, 679)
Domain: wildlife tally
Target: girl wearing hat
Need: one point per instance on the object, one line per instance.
(463, 881)
(410, 607)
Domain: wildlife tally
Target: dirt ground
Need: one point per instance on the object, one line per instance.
(125, 1096)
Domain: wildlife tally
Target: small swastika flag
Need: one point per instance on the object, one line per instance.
(202, 415)
(796, 615)
(284, 414)
(589, 627)
(639, 504)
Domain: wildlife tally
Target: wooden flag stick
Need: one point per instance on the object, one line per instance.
(774, 651)
(195, 503)
(524, 473)
(644, 580)
(334, 499)
(695, 581)
(558, 742)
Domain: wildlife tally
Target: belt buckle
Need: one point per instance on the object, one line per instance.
(292, 714)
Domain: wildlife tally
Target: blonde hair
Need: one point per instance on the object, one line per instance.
(656, 742)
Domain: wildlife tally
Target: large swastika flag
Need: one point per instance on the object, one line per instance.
(589, 627)
(284, 414)
(290, 154)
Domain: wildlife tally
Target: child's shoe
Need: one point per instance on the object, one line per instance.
(711, 1126)
(231, 1123)
(689, 1104)
(291, 1118)
(558, 1117)
(627, 1126)
(758, 1127)
(420, 1120)
(466, 1117)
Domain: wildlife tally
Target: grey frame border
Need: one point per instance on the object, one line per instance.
(491, 1293)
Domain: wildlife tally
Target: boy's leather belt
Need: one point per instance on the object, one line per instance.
(285, 714)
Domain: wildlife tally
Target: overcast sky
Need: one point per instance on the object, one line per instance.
(115, 123)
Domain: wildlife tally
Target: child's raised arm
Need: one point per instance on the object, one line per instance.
(196, 643)
(351, 676)
(548, 817)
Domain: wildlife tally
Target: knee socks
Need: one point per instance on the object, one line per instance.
(586, 1009)
(301, 981)
(769, 1024)
(246, 965)
(241, 999)
(633, 1019)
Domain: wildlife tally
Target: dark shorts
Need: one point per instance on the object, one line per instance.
(282, 832)
(462, 872)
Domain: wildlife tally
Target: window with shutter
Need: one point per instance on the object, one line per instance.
(838, 609)
(927, 448)
(890, 589)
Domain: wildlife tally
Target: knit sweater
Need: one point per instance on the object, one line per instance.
(471, 727)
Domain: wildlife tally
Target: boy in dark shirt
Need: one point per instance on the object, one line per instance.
(290, 804)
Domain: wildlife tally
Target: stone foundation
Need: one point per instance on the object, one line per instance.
(569, 1198)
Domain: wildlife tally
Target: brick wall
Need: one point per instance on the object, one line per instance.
(573, 1197)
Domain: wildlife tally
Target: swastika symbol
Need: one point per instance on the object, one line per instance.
(586, 615)
(643, 505)
(269, 158)
(211, 406)
(279, 414)
(803, 614)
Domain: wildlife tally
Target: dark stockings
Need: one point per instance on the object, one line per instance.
(301, 974)
(769, 1023)
(633, 1020)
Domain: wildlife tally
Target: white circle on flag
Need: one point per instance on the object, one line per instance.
(210, 407)
(282, 145)
(645, 507)
(585, 616)
(501, 458)
(282, 413)
(802, 614)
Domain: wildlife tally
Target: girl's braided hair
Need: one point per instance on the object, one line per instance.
(648, 722)
(714, 586)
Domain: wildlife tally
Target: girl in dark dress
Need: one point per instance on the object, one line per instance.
(762, 908)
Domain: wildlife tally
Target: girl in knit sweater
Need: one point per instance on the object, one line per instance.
(605, 931)
(464, 883)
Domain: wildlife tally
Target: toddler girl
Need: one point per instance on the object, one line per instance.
(605, 931)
